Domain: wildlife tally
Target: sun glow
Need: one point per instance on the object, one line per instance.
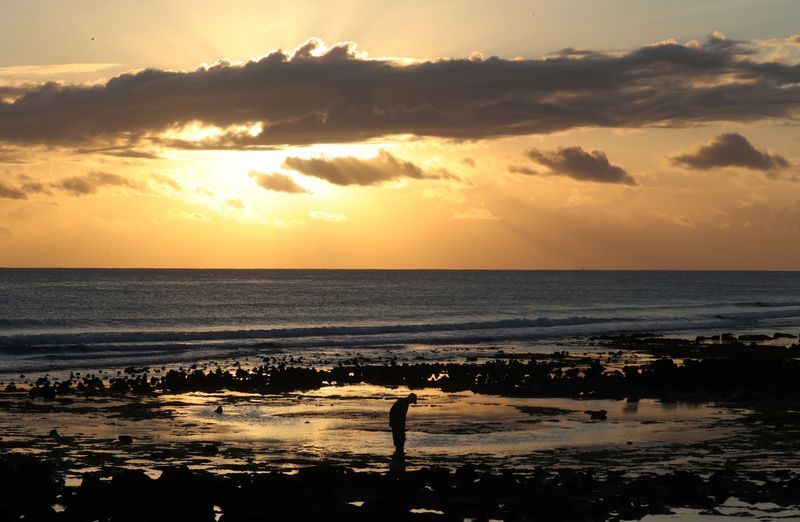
(218, 184)
(197, 132)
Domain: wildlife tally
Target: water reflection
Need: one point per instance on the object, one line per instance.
(631, 406)
(354, 419)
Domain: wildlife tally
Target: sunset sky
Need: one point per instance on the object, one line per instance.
(420, 134)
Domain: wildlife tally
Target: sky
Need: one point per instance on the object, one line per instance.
(370, 134)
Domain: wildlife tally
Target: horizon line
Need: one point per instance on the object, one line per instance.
(418, 269)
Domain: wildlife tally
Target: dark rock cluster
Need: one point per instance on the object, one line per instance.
(743, 374)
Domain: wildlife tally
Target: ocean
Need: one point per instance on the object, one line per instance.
(63, 318)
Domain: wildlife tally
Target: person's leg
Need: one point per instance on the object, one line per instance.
(399, 438)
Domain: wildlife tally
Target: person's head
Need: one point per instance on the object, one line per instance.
(412, 398)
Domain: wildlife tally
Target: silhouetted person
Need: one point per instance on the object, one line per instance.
(397, 420)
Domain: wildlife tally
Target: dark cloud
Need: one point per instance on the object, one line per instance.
(576, 163)
(12, 91)
(92, 182)
(121, 152)
(337, 96)
(730, 150)
(277, 182)
(347, 170)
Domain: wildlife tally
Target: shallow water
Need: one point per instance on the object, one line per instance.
(354, 419)
(347, 423)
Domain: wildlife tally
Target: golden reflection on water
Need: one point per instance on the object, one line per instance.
(355, 419)
(346, 423)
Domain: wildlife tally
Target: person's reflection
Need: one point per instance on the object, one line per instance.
(398, 464)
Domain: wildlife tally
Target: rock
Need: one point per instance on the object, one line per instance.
(597, 414)
(218, 410)
(54, 434)
(125, 439)
(754, 338)
(209, 449)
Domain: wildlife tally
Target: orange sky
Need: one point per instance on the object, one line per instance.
(437, 140)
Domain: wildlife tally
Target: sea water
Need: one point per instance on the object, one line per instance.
(58, 318)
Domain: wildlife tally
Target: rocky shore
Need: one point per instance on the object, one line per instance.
(62, 477)
(730, 369)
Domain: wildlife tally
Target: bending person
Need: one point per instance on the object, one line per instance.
(397, 420)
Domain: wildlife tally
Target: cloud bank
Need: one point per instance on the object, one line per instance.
(336, 95)
(576, 163)
(730, 150)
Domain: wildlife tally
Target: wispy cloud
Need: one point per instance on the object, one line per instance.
(277, 182)
(93, 181)
(163, 179)
(236, 203)
(327, 216)
(24, 187)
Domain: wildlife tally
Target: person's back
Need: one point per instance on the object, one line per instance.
(397, 420)
(398, 413)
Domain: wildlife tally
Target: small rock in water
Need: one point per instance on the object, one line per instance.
(218, 410)
(597, 414)
(125, 439)
(54, 434)
(210, 449)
